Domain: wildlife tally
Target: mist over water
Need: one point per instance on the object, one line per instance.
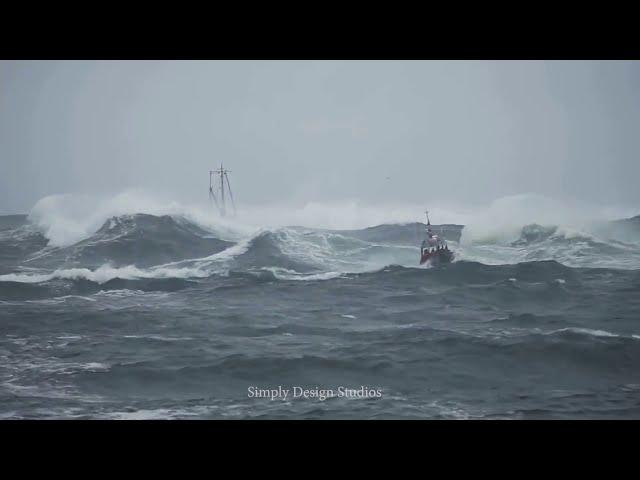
(302, 132)
(490, 234)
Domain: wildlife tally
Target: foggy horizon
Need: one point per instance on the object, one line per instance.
(298, 132)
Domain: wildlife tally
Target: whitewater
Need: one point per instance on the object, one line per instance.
(133, 307)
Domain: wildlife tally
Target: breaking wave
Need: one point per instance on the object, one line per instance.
(533, 310)
(61, 240)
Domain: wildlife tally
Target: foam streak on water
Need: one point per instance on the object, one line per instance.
(165, 312)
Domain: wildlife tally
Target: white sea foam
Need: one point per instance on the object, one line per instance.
(67, 219)
(104, 274)
(192, 268)
(286, 274)
(584, 331)
(486, 238)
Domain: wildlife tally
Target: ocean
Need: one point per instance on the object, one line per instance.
(147, 316)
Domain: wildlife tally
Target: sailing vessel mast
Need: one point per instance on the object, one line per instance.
(221, 205)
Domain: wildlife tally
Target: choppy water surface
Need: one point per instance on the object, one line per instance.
(158, 317)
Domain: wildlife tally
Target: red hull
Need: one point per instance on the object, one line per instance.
(440, 256)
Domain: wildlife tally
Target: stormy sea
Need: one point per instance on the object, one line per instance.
(165, 316)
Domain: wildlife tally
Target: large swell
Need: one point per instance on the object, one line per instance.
(163, 316)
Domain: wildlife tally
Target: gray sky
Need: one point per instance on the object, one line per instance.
(298, 131)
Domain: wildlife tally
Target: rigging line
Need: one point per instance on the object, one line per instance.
(222, 173)
(233, 203)
(212, 195)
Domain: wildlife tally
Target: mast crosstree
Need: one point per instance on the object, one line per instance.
(219, 200)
